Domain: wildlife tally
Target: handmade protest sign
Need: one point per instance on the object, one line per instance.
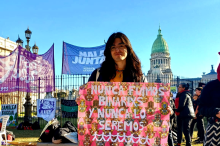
(46, 108)
(69, 108)
(12, 111)
(113, 113)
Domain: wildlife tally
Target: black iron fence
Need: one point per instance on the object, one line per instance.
(66, 87)
(176, 80)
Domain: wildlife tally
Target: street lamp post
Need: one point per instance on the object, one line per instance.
(28, 104)
(35, 49)
(19, 42)
(28, 37)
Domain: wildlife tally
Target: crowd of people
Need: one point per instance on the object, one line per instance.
(122, 65)
(189, 110)
(187, 115)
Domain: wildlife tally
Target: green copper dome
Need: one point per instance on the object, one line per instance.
(160, 45)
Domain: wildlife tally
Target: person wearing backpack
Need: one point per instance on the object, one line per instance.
(121, 63)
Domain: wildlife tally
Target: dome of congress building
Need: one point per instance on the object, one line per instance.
(160, 45)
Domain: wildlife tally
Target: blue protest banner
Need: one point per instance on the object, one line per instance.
(81, 60)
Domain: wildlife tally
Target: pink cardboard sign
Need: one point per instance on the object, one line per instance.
(118, 114)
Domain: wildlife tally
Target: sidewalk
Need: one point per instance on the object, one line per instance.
(52, 144)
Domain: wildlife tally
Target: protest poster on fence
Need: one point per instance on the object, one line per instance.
(113, 113)
(12, 111)
(46, 108)
(69, 108)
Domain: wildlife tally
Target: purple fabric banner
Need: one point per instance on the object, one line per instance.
(27, 72)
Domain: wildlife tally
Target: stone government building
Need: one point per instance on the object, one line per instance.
(6, 46)
(160, 67)
(160, 61)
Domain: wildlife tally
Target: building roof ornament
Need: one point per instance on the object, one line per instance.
(212, 71)
(159, 31)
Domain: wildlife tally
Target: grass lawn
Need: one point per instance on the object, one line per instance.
(193, 143)
(33, 135)
(27, 136)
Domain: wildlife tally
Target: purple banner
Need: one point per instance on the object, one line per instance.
(27, 72)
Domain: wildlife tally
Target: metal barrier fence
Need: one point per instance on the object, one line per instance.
(66, 87)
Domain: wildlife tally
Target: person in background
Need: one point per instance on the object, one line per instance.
(195, 104)
(121, 63)
(172, 117)
(209, 107)
(202, 85)
(185, 113)
(199, 118)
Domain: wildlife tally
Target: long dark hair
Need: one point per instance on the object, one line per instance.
(133, 64)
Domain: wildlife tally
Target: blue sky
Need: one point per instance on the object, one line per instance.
(191, 28)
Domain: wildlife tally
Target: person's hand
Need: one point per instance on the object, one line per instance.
(170, 110)
(218, 115)
(56, 141)
(195, 118)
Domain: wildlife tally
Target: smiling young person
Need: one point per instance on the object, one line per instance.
(121, 63)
